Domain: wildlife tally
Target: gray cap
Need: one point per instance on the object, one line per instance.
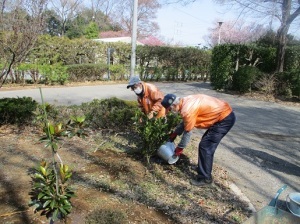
(133, 80)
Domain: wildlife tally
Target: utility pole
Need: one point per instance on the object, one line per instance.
(133, 38)
(110, 51)
(220, 24)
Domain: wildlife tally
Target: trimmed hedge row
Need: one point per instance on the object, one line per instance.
(17, 110)
(242, 67)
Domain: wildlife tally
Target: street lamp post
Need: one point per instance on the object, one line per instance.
(133, 38)
(220, 24)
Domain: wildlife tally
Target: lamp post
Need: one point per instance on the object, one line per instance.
(220, 24)
(133, 38)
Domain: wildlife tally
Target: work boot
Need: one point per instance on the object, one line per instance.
(201, 182)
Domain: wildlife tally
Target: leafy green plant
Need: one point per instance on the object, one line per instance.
(17, 110)
(53, 201)
(50, 191)
(110, 113)
(54, 74)
(153, 132)
(244, 78)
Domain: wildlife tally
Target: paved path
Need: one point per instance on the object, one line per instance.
(261, 152)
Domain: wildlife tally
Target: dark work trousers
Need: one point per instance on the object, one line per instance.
(209, 143)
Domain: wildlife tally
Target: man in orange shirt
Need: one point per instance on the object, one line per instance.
(149, 97)
(204, 112)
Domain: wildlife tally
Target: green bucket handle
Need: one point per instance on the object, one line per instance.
(274, 200)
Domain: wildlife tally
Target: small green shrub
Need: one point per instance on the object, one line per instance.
(243, 79)
(54, 205)
(288, 83)
(54, 74)
(153, 132)
(110, 113)
(50, 192)
(17, 110)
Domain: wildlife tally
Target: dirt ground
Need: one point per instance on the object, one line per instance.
(113, 184)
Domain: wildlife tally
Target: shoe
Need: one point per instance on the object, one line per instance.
(201, 182)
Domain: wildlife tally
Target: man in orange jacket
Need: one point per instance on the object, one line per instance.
(203, 112)
(149, 97)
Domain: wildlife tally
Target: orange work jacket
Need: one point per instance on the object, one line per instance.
(151, 100)
(202, 111)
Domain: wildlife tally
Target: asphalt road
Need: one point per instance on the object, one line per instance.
(261, 153)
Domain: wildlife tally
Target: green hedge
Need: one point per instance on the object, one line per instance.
(110, 113)
(244, 78)
(17, 110)
(231, 67)
(86, 72)
(222, 66)
(173, 63)
(292, 59)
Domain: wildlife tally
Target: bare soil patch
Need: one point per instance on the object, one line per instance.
(113, 183)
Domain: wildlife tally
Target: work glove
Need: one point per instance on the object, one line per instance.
(150, 115)
(172, 137)
(178, 151)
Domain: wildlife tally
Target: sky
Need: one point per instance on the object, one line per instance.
(189, 24)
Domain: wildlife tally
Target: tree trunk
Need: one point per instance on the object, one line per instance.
(281, 35)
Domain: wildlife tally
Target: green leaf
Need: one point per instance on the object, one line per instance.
(43, 138)
(66, 202)
(39, 176)
(43, 170)
(39, 185)
(51, 129)
(66, 168)
(54, 146)
(46, 203)
(81, 119)
(47, 197)
(41, 195)
(63, 211)
(55, 214)
(62, 196)
(53, 203)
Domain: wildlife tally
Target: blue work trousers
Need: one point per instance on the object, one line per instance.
(209, 143)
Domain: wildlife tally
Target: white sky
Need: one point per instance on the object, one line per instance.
(189, 24)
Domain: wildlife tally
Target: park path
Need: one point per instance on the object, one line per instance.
(261, 153)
